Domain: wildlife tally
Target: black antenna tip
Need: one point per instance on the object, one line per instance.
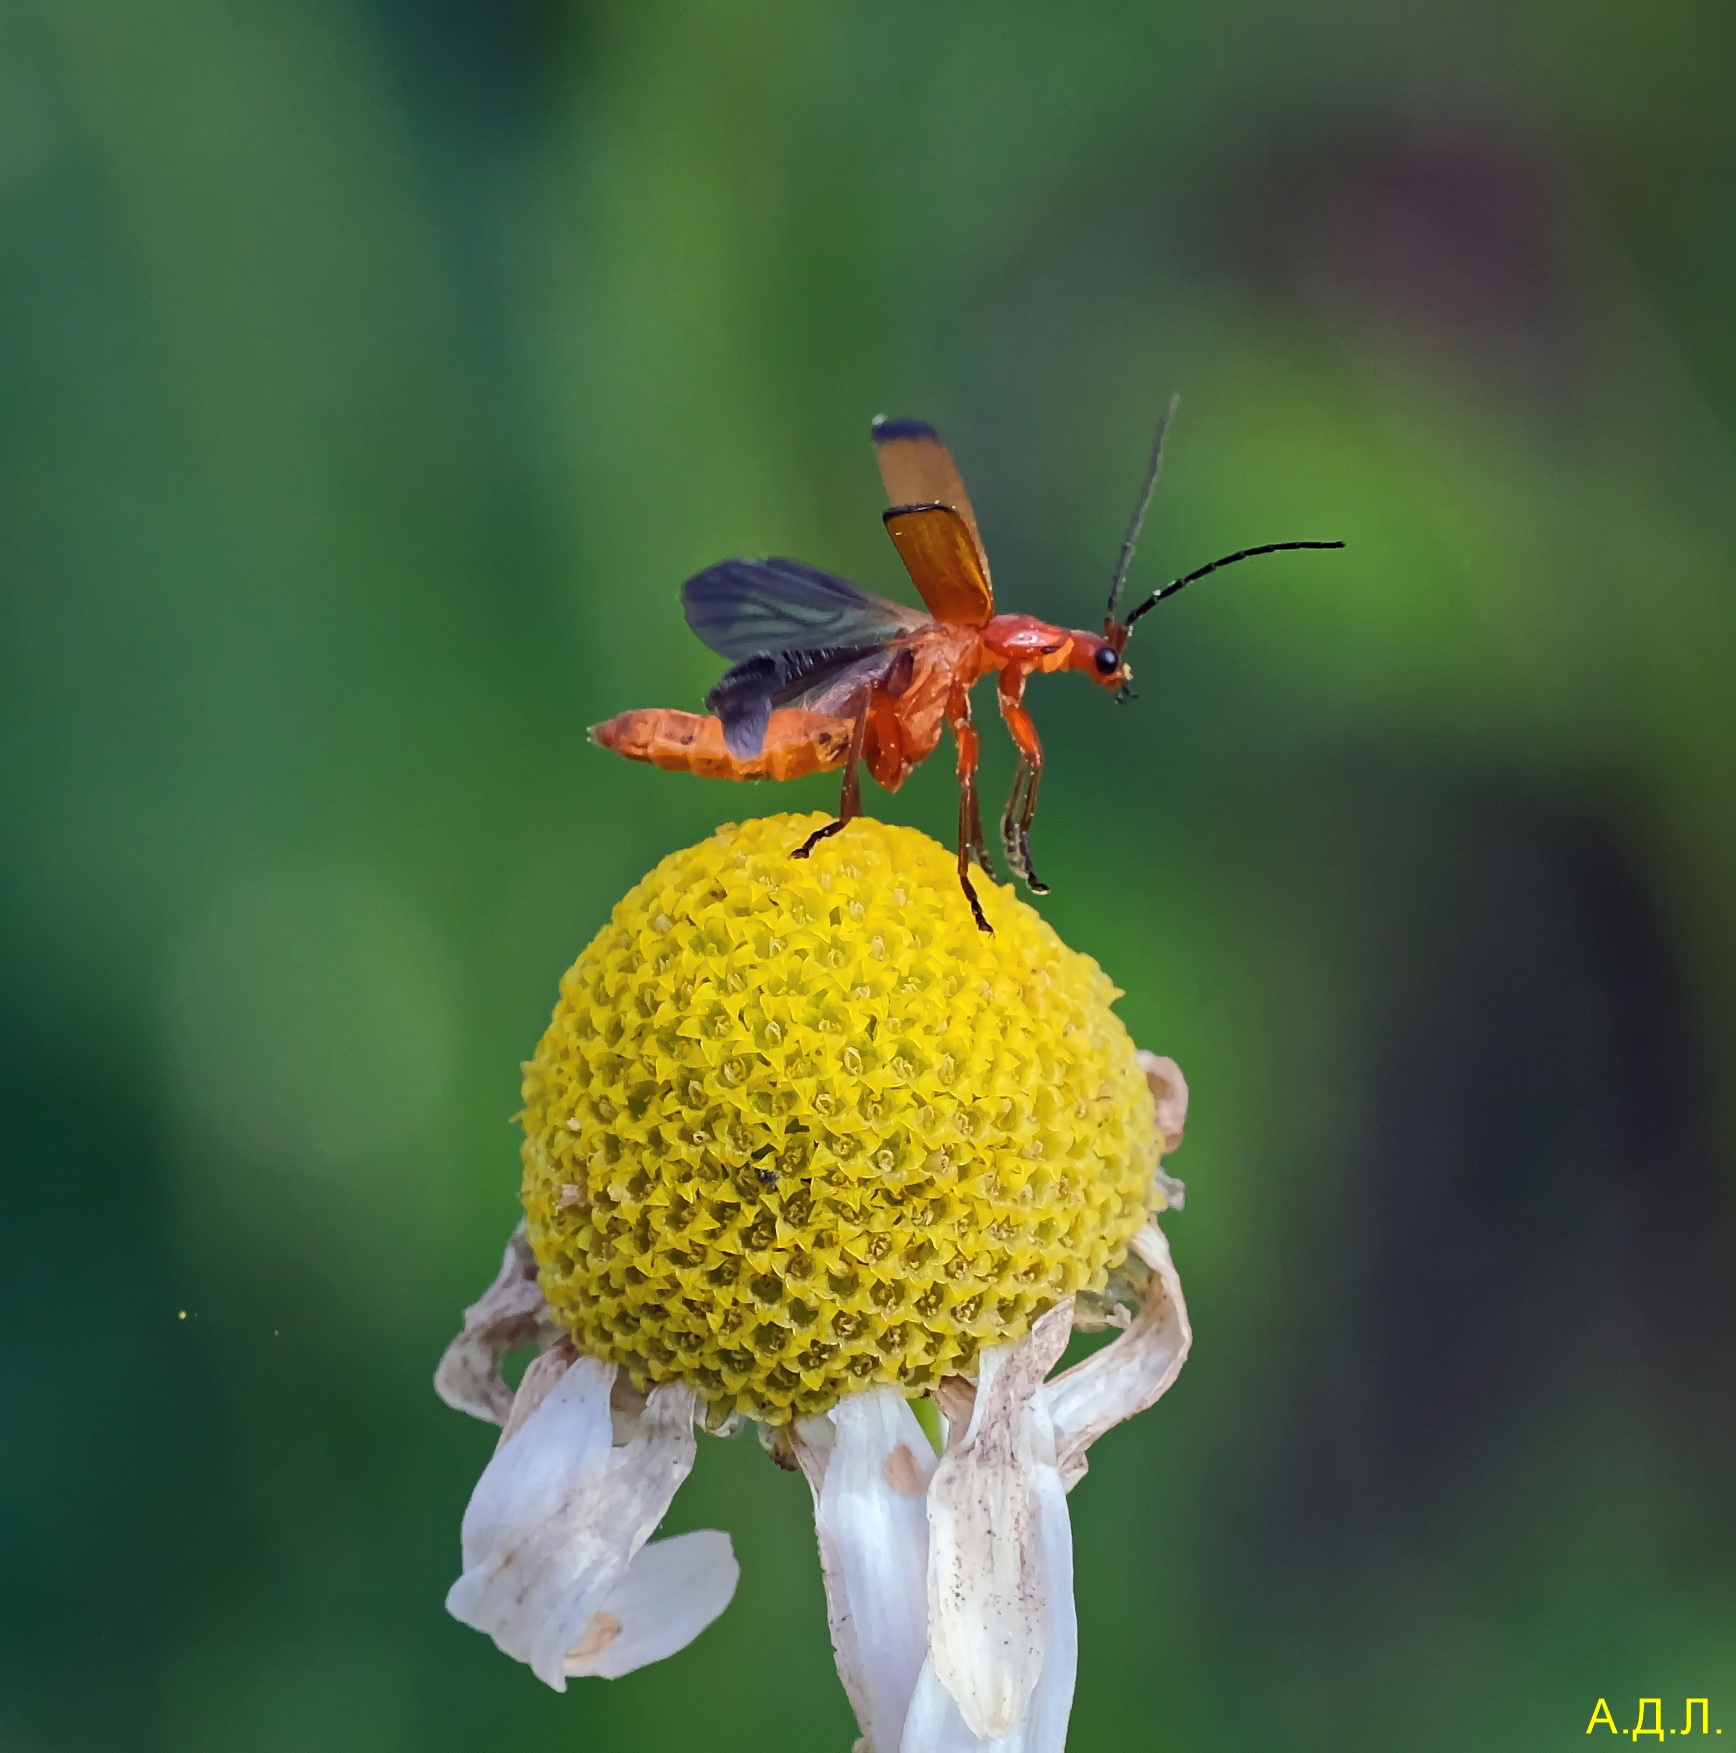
(1199, 572)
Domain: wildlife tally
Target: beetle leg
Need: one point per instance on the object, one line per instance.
(1010, 819)
(1034, 777)
(1022, 803)
(970, 822)
(978, 850)
(850, 803)
(970, 825)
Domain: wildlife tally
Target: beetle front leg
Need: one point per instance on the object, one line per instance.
(1010, 818)
(1022, 801)
(970, 821)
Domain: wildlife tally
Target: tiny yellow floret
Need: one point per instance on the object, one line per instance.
(798, 1127)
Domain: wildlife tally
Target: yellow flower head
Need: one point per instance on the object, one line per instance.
(798, 1127)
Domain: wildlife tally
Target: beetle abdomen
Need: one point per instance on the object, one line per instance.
(798, 742)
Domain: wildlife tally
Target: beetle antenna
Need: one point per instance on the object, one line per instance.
(1169, 590)
(1139, 511)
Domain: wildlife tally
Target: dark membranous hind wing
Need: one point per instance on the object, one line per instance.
(752, 608)
(829, 679)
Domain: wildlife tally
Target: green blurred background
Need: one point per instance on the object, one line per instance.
(371, 374)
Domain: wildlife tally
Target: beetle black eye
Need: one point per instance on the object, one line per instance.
(1106, 660)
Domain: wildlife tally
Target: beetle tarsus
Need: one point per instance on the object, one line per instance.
(850, 801)
(1016, 826)
(820, 834)
(1027, 870)
(970, 894)
(964, 854)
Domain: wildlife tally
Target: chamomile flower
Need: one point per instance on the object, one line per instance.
(803, 1146)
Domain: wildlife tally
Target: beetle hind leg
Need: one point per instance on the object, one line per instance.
(966, 801)
(820, 834)
(971, 832)
(850, 802)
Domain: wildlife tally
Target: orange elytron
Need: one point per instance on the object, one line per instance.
(828, 676)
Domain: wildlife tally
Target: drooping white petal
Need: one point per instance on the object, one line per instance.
(673, 1589)
(510, 1313)
(530, 1477)
(869, 1474)
(935, 1724)
(1169, 1094)
(812, 1440)
(1130, 1373)
(1045, 1724)
(1169, 1100)
(559, 1513)
(541, 1373)
(987, 1596)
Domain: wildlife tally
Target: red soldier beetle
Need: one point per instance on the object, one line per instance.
(826, 675)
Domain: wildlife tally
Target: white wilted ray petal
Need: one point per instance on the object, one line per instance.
(673, 1589)
(541, 1374)
(1169, 1096)
(871, 1518)
(935, 1723)
(524, 1489)
(1045, 1726)
(559, 1514)
(813, 1440)
(987, 1608)
(509, 1314)
(1130, 1373)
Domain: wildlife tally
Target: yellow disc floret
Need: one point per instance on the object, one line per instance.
(798, 1126)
